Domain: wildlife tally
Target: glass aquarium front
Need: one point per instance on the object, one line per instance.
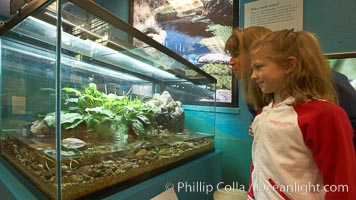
(97, 104)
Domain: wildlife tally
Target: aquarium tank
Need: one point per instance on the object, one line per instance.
(90, 103)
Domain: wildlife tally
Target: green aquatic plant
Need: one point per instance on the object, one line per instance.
(110, 116)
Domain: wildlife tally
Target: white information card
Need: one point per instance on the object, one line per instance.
(275, 14)
(169, 194)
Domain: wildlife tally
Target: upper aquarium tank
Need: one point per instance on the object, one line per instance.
(89, 102)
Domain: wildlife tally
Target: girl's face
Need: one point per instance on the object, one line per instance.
(237, 63)
(269, 76)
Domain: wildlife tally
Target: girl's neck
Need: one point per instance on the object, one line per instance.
(277, 98)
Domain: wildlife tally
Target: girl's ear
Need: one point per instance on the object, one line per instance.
(291, 65)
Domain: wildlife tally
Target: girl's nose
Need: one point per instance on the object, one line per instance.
(254, 75)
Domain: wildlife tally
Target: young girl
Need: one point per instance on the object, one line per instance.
(302, 146)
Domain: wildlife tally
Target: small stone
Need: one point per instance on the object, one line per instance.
(73, 143)
(77, 178)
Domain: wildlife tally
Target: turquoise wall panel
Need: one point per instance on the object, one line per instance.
(199, 119)
(334, 22)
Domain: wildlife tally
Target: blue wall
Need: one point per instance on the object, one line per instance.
(334, 22)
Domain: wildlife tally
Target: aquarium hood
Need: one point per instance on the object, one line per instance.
(42, 54)
(35, 28)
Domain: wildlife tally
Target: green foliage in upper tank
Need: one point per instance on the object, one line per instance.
(108, 115)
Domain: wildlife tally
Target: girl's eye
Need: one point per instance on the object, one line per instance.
(256, 67)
